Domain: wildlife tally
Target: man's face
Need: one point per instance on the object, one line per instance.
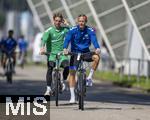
(57, 22)
(81, 22)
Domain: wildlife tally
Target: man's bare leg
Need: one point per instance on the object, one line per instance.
(94, 66)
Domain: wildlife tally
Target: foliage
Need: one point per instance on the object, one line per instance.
(124, 80)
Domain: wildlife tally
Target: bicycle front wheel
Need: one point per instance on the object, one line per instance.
(81, 89)
(56, 81)
(9, 73)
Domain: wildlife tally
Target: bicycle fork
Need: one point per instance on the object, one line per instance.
(81, 83)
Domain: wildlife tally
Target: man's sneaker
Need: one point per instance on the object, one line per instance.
(72, 101)
(89, 82)
(48, 93)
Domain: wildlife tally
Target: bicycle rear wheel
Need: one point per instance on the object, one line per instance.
(9, 73)
(56, 80)
(81, 89)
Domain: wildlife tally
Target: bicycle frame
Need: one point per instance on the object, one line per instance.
(9, 68)
(57, 62)
(21, 59)
(81, 83)
(56, 76)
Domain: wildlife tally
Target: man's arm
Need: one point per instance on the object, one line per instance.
(94, 41)
(67, 39)
(44, 39)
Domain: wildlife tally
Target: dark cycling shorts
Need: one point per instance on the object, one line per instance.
(74, 62)
(64, 63)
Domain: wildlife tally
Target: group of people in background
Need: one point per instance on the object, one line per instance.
(9, 45)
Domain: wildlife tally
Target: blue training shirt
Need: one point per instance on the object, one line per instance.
(22, 45)
(81, 39)
(9, 44)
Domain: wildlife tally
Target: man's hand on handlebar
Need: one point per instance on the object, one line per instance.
(65, 51)
(98, 51)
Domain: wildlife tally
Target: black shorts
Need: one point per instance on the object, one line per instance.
(64, 63)
(85, 57)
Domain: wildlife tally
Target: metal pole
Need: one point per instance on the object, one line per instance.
(35, 15)
(48, 10)
(67, 10)
(129, 71)
(121, 73)
(138, 74)
(147, 76)
(93, 11)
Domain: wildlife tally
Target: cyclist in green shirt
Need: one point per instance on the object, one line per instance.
(53, 39)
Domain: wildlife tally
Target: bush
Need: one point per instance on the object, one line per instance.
(123, 81)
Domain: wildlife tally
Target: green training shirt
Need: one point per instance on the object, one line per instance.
(54, 39)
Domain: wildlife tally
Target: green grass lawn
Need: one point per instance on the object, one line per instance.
(123, 80)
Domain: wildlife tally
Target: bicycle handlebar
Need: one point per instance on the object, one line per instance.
(79, 55)
(73, 53)
(49, 53)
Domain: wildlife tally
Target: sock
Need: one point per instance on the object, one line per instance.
(62, 81)
(72, 93)
(90, 74)
(48, 88)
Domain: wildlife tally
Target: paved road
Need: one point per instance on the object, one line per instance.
(103, 101)
(28, 81)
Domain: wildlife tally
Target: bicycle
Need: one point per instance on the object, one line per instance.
(22, 60)
(9, 67)
(56, 81)
(80, 89)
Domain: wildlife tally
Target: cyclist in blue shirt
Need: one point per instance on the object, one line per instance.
(1, 44)
(81, 37)
(8, 46)
(1, 49)
(22, 44)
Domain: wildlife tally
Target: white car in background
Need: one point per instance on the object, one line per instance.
(37, 58)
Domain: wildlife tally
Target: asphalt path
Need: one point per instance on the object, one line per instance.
(103, 100)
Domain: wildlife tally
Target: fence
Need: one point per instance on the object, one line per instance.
(129, 66)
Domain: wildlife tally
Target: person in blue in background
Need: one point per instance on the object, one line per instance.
(8, 46)
(22, 44)
(1, 50)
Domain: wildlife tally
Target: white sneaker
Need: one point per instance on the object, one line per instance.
(72, 101)
(48, 93)
(89, 82)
